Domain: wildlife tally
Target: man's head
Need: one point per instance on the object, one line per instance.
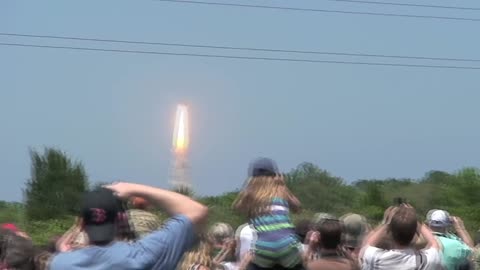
(16, 252)
(403, 225)
(10, 226)
(140, 203)
(439, 220)
(356, 228)
(302, 228)
(220, 233)
(100, 211)
(330, 234)
(321, 217)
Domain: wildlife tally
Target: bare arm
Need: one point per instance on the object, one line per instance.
(227, 249)
(376, 236)
(428, 235)
(462, 232)
(173, 203)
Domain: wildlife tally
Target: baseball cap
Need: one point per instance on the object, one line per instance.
(438, 218)
(356, 227)
(10, 226)
(262, 167)
(319, 218)
(99, 211)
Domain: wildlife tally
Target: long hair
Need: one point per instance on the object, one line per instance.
(258, 193)
(199, 256)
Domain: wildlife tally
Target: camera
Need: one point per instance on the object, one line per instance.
(399, 201)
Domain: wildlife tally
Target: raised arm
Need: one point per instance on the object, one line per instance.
(462, 232)
(429, 237)
(173, 203)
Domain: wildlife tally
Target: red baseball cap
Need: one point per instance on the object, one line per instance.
(10, 226)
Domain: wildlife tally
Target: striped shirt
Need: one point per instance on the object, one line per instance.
(277, 242)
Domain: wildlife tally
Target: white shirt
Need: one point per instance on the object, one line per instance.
(230, 266)
(399, 259)
(245, 240)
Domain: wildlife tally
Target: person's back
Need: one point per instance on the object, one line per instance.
(330, 237)
(16, 252)
(401, 259)
(277, 241)
(455, 251)
(161, 249)
(267, 201)
(124, 255)
(334, 263)
(402, 224)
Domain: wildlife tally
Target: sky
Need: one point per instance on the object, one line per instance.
(115, 112)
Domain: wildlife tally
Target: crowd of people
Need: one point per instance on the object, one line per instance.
(116, 229)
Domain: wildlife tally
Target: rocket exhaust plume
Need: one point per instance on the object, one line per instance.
(181, 170)
(180, 134)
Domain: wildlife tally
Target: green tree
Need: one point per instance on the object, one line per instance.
(55, 187)
(319, 191)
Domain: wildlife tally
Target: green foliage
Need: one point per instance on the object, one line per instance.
(220, 209)
(319, 191)
(55, 187)
(55, 178)
(11, 212)
(43, 231)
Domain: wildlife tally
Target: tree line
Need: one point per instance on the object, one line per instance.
(57, 182)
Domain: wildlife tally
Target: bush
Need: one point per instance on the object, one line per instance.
(42, 232)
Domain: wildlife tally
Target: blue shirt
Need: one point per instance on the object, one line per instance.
(162, 249)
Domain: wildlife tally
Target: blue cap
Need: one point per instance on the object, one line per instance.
(263, 167)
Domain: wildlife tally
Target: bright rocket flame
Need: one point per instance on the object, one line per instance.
(180, 135)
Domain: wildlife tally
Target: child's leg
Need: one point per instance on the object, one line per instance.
(294, 258)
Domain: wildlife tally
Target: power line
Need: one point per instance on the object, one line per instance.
(241, 48)
(321, 10)
(406, 5)
(238, 57)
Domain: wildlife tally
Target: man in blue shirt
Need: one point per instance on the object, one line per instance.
(162, 249)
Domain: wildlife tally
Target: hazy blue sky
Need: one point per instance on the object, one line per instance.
(115, 112)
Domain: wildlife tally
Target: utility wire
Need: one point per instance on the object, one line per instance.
(238, 57)
(210, 3)
(405, 4)
(240, 48)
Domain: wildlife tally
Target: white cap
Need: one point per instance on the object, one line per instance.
(439, 218)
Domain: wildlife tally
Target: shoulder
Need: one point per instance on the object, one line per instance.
(179, 220)
(179, 224)
(452, 241)
(64, 259)
(331, 263)
(369, 252)
(433, 255)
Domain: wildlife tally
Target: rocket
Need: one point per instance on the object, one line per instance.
(180, 133)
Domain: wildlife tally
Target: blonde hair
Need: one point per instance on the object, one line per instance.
(259, 192)
(219, 232)
(200, 256)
